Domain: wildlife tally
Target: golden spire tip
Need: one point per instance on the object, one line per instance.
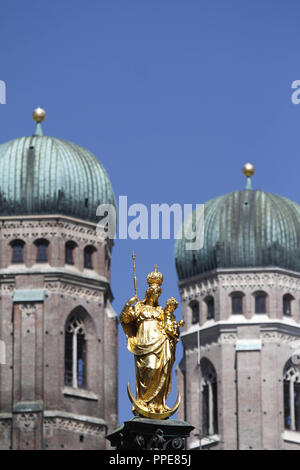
(248, 169)
(39, 115)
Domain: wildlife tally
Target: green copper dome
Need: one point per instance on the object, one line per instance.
(244, 229)
(45, 175)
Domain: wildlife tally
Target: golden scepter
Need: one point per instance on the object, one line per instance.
(134, 277)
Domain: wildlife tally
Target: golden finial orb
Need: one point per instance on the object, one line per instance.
(39, 115)
(248, 169)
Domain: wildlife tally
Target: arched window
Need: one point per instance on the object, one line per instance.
(75, 352)
(209, 398)
(41, 250)
(287, 305)
(17, 251)
(88, 257)
(237, 302)
(210, 304)
(69, 252)
(194, 305)
(260, 302)
(291, 393)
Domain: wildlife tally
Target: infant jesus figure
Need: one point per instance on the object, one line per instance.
(170, 324)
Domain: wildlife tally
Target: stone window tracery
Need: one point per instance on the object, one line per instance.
(291, 393)
(209, 398)
(75, 353)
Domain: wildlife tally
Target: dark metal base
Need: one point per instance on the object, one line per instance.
(150, 434)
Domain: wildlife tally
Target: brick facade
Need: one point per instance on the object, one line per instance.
(248, 351)
(37, 409)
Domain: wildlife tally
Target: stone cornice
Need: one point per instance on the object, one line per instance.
(73, 422)
(63, 414)
(217, 272)
(57, 274)
(58, 420)
(77, 285)
(63, 283)
(96, 281)
(259, 279)
(33, 227)
(74, 416)
(20, 218)
(226, 333)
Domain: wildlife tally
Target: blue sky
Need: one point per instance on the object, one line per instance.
(172, 96)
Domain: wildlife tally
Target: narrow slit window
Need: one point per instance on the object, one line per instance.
(237, 302)
(260, 302)
(18, 252)
(69, 252)
(210, 303)
(42, 251)
(287, 305)
(194, 305)
(88, 257)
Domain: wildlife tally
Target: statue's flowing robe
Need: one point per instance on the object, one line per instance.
(154, 353)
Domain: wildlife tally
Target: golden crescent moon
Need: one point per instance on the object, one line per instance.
(150, 414)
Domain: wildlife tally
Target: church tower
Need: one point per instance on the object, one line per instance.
(240, 294)
(58, 386)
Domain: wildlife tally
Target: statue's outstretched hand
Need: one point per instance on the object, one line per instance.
(128, 313)
(132, 300)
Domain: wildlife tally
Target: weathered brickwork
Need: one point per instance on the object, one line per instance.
(37, 409)
(248, 351)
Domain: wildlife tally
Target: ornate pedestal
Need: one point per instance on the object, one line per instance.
(150, 434)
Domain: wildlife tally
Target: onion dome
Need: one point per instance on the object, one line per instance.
(244, 229)
(45, 175)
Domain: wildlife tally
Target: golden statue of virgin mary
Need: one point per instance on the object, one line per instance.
(152, 334)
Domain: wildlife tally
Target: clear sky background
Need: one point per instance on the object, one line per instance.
(172, 96)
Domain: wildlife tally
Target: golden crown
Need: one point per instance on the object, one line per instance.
(155, 277)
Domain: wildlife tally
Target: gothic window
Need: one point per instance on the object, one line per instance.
(41, 251)
(260, 302)
(17, 251)
(237, 302)
(210, 304)
(194, 305)
(75, 353)
(291, 394)
(287, 304)
(69, 252)
(209, 398)
(88, 257)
